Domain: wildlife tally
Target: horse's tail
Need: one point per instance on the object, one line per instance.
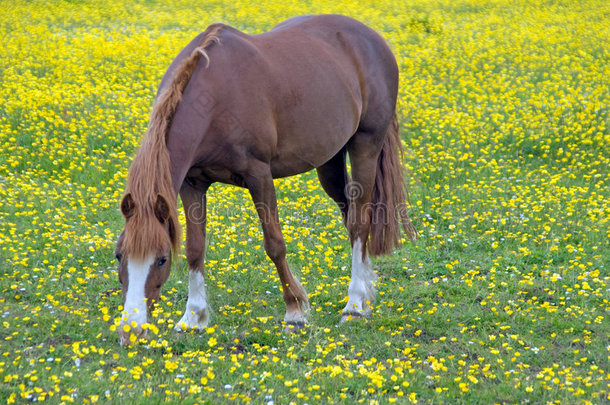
(389, 209)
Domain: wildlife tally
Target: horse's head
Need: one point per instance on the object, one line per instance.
(144, 254)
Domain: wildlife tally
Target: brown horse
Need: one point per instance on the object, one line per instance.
(243, 110)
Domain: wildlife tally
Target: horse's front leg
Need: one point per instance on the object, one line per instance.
(197, 312)
(260, 185)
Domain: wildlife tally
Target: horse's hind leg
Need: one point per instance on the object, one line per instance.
(364, 149)
(334, 178)
(197, 312)
(260, 184)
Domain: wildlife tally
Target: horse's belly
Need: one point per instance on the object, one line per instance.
(310, 135)
(286, 168)
(310, 146)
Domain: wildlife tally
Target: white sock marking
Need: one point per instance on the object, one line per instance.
(197, 312)
(298, 316)
(361, 289)
(135, 299)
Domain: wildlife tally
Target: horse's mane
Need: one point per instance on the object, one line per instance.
(149, 175)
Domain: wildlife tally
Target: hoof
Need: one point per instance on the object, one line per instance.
(351, 317)
(127, 338)
(182, 327)
(294, 327)
(193, 321)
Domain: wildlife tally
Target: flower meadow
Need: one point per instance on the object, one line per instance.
(504, 298)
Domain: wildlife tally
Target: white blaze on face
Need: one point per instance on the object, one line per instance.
(135, 299)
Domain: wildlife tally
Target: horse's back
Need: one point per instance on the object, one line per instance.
(359, 53)
(294, 95)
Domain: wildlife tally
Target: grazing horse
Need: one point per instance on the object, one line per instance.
(245, 109)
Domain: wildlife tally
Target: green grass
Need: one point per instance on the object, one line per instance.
(503, 298)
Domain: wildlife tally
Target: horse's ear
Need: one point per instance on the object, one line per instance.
(161, 209)
(173, 233)
(128, 206)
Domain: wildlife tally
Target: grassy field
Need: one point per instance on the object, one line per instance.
(504, 109)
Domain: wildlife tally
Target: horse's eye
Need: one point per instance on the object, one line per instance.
(118, 256)
(161, 261)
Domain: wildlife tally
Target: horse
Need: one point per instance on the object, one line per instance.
(243, 110)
